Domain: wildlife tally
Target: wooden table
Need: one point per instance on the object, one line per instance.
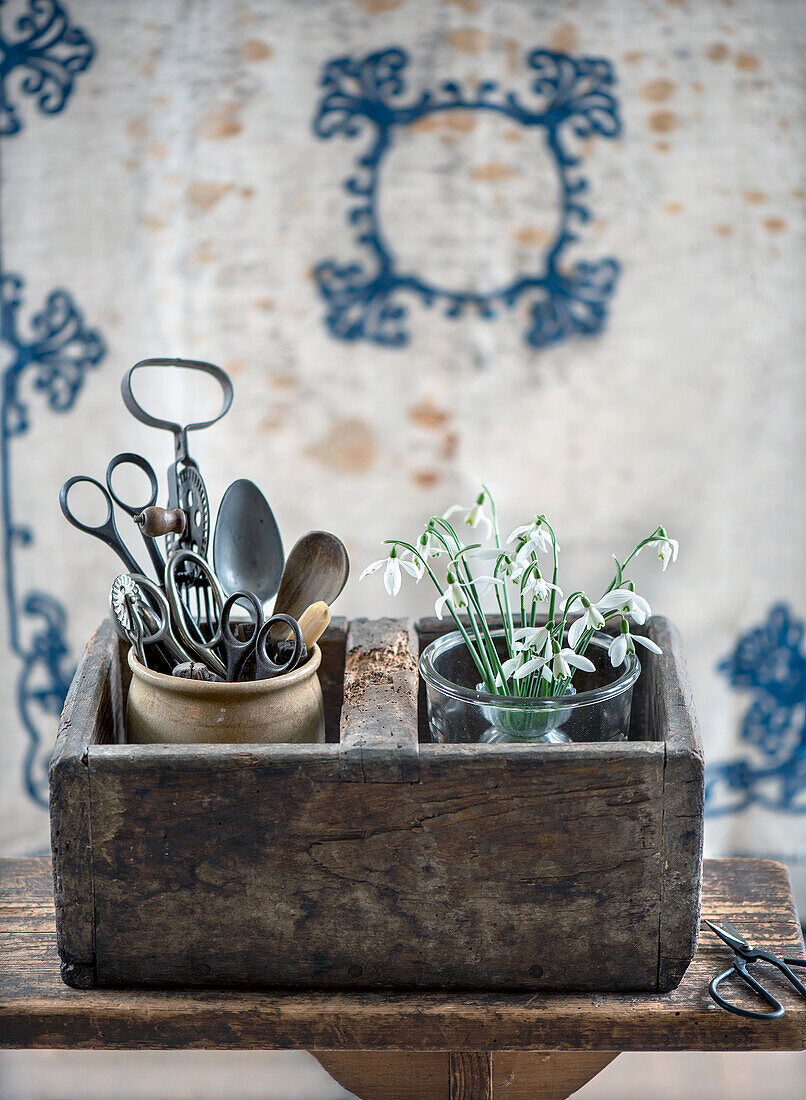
(472, 1046)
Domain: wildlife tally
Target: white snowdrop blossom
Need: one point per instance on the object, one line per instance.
(533, 535)
(540, 588)
(590, 619)
(628, 602)
(624, 643)
(535, 638)
(473, 515)
(564, 659)
(453, 596)
(392, 576)
(667, 548)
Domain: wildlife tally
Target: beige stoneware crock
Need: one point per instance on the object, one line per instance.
(172, 710)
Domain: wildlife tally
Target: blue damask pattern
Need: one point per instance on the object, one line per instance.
(50, 356)
(769, 662)
(573, 96)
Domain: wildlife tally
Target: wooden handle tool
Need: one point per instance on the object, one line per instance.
(313, 622)
(155, 521)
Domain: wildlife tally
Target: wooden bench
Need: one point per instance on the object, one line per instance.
(472, 1046)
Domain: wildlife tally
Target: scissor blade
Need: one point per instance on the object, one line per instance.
(729, 936)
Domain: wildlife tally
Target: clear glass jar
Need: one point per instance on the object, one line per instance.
(598, 709)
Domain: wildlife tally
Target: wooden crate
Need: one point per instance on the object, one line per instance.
(378, 859)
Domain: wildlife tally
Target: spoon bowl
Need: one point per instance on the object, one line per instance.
(247, 547)
(317, 569)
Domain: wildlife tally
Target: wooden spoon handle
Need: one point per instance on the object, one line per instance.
(156, 521)
(313, 622)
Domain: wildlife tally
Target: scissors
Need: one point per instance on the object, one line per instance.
(238, 650)
(186, 488)
(744, 953)
(181, 563)
(131, 459)
(107, 531)
(140, 625)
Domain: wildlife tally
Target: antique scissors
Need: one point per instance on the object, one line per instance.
(107, 531)
(744, 953)
(131, 459)
(190, 632)
(257, 641)
(140, 624)
(186, 488)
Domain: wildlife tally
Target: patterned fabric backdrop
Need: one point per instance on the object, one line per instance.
(556, 245)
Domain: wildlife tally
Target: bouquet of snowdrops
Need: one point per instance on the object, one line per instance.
(541, 658)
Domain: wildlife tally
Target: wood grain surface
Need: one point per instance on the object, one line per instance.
(38, 1010)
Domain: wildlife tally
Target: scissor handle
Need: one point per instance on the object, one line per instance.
(107, 531)
(750, 1013)
(266, 667)
(129, 458)
(179, 430)
(189, 635)
(237, 650)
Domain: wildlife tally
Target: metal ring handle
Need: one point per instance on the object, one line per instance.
(107, 531)
(181, 617)
(266, 667)
(139, 413)
(751, 1014)
(131, 459)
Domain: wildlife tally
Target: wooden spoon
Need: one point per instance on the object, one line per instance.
(316, 569)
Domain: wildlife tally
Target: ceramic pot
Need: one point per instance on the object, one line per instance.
(172, 710)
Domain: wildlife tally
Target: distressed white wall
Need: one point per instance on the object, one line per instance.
(183, 200)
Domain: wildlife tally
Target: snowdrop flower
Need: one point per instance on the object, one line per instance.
(667, 548)
(392, 577)
(624, 643)
(628, 602)
(540, 587)
(591, 618)
(509, 666)
(537, 535)
(473, 515)
(453, 596)
(560, 661)
(535, 638)
(427, 547)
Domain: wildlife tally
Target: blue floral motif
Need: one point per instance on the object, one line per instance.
(46, 55)
(364, 96)
(769, 662)
(51, 357)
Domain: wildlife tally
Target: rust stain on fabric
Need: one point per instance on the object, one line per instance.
(223, 122)
(137, 128)
(530, 235)
(470, 6)
(427, 415)
(755, 196)
(633, 57)
(493, 172)
(204, 196)
(774, 225)
(378, 7)
(426, 479)
(349, 446)
(662, 121)
(747, 62)
(565, 38)
(255, 49)
(468, 40)
(723, 230)
(658, 91)
(673, 207)
(718, 52)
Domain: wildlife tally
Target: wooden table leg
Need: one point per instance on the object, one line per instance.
(467, 1075)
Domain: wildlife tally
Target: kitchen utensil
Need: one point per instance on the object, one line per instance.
(186, 488)
(130, 459)
(190, 631)
(316, 569)
(247, 547)
(313, 622)
(107, 531)
(141, 625)
(256, 639)
(194, 670)
(744, 953)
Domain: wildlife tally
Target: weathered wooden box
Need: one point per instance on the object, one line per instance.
(378, 859)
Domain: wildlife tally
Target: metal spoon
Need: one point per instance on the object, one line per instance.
(247, 547)
(317, 569)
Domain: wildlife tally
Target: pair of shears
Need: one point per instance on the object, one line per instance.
(256, 642)
(107, 531)
(743, 954)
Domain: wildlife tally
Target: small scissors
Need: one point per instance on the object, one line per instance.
(138, 623)
(744, 953)
(239, 650)
(107, 531)
(131, 459)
